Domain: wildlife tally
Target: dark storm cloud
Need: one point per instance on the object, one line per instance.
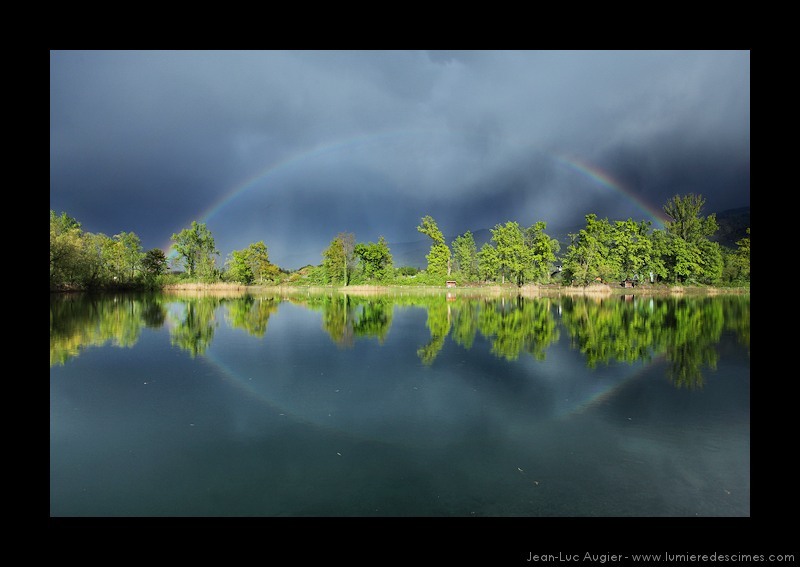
(370, 141)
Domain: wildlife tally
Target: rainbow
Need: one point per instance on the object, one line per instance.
(602, 178)
(575, 164)
(278, 166)
(606, 391)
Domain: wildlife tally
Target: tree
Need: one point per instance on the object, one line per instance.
(339, 258)
(743, 255)
(195, 246)
(93, 265)
(488, 262)
(632, 248)
(690, 255)
(712, 262)
(251, 264)
(239, 267)
(258, 261)
(737, 262)
(687, 223)
(439, 256)
(408, 270)
(660, 242)
(376, 260)
(542, 250)
(128, 255)
(589, 253)
(523, 255)
(513, 256)
(65, 249)
(154, 263)
(465, 255)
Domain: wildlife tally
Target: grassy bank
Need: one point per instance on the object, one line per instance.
(485, 290)
(222, 288)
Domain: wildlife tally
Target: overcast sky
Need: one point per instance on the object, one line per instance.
(294, 147)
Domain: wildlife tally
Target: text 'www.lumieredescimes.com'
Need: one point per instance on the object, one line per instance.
(657, 558)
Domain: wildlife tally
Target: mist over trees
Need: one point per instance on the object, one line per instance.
(681, 253)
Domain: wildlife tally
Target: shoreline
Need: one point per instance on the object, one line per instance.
(485, 290)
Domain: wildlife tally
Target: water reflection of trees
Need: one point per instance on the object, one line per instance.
(78, 321)
(518, 325)
(610, 329)
(251, 314)
(692, 340)
(737, 310)
(686, 331)
(195, 325)
(345, 317)
(438, 323)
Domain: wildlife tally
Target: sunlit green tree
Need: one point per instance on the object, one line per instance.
(690, 254)
(375, 260)
(589, 255)
(65, 250)
(542, 252)
(743, 254)
(252, 265)
(488, 262)
(439, 255)
(339, 259)
(632, 249)
(465, 256)
(514, 257)
(196, 249)
(154, 263)
(686, 220)
(737, 262)
(130, 255)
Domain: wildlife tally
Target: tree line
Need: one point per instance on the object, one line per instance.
(607, 251)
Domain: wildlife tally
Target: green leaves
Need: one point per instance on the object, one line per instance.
(252, 265)
(465, 256)
(376, 260)
(439, 256)
(154, 263)
(339, 259)
(521, 256)
(680, 253)
(195, 246)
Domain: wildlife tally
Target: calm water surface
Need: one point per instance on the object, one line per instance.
(399, 405)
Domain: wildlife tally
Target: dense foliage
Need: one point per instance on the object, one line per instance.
(606, 251)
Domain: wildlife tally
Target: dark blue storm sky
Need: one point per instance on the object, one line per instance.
(294, 147)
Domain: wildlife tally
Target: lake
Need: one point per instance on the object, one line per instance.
(399, 404)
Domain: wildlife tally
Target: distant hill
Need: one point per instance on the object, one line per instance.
(733, 224)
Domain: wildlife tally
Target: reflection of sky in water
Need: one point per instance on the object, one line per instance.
(385, 392)
(292, 424)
